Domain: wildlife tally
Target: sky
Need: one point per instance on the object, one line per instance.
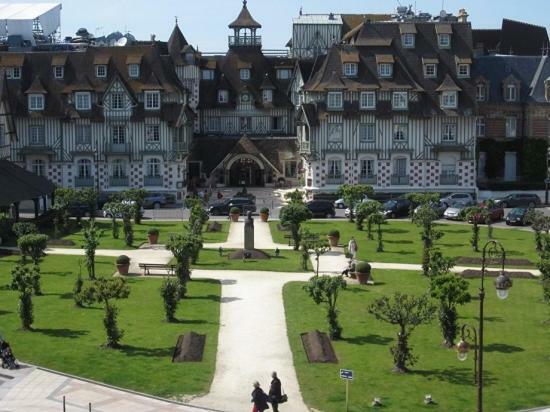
(204, 22)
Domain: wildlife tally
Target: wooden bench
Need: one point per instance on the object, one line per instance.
(290, 239)
(160, 266)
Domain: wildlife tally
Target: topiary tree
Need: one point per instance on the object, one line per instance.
(420, 199)
(363, 212)
(114, 210)
(24, 228)
(474, 214)
(316, 246)
(90, 244)
(197, 217)
(32, 246)
(136, 196)
(488, 205)
(295, 197)
(105, 291)
(407, 312)
(126, 211)
(325, 289)
(170, 291)
(293, 215)
(305, 236)
(354, 194)
(450, 290)
(23, 282)
(89, 196)
(64, 198)
(425, 217)
(540, 224)
(182, 247)
(378, 219)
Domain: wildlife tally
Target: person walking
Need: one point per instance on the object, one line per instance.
(275, 393)
(259, 398)
(352, 248)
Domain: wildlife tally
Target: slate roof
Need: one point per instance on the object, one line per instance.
(245, 20)
(17, 184)
(538, 92)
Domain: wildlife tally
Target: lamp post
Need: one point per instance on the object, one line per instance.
(503, 283)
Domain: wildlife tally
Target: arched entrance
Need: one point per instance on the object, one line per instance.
(246, 170)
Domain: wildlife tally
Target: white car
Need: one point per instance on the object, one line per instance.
(340, 204)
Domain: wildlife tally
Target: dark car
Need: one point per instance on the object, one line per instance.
(223, 208)
(519, 200)
(516, 217)
(321, 208)
(157, 200)
(396, 208)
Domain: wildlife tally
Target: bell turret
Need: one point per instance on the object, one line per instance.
(244, 30)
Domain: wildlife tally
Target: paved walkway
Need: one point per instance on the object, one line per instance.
(235, 240)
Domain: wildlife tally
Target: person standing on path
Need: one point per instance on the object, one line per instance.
(275, 393)
(259, 398)
(352, 248)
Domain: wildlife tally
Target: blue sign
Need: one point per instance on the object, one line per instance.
(346, 374)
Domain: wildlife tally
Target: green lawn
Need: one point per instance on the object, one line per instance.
(106, 240)
(68, 339)
(402, 242)
(517, 362)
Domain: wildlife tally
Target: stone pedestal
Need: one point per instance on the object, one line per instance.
(249, 232)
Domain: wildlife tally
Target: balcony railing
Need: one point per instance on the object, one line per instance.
(368, 179)
(398, 180)
(245, 40)
(335, 179)
(84, 182)
(118, 148)
(153, 181)
(118, 181)
(448, 180)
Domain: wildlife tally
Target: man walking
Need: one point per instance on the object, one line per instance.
(275, 393)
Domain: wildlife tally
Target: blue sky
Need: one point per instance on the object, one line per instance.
(204, 22)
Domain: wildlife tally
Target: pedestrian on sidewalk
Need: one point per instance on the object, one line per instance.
(352, 248)
(275, 393)
(259, 398)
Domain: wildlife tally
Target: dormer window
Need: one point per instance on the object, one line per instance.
(284, 74)
(449, 100)
(335, 100)
(444, 41)
(430, 70)
(208, 74)
(481, 92)
(463, 71)
(36, 102)
(83, 101)
(400, 100)
(267, 95)
(13, 73)
(59, 72)
(408, 40)
(510, 93)
(117, 101)
(101, 71)
(223, 96)
(133, 70)
(385, 70)
(245, 74)
(152, 100)
(350, 69)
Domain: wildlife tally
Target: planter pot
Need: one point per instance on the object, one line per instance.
(123, 269)
(153, 239)
(264, 216)
(362, 278)
(234, 217)
(333, 240)
(352, 275)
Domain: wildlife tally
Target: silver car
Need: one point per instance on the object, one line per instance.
(453, 212)
(457, 197)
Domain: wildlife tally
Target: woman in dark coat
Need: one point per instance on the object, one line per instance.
(259, 398)
(275, 392)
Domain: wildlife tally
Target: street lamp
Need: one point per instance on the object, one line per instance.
(492, 250)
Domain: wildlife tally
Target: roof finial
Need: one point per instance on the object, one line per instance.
(244, 3)
(176, 17)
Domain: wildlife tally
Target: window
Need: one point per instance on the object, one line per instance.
(480, 127)
(3, 140)
(267, 95)
(444, 41)
(335, 100)
(449, 100)
(223, 96)
(133, 70)
(335, 134)
(208, 74)
(367, 168)
(119, 134)
(83, 101)
(245, 124)
(117, 101)
(38, 167)
(511, 126)
(119, 168)
(448, 168)
(400, 132)
(245, 74)
(37, 135)
(449, 132)
(59, 72)
(481, 92)
(350, 69)
(291, 168)
(101, 71)
(367, 132)
(214, 124)
(368, 100)
(400, 166)
(152, 100)
(36, 102)
(284, 74)
(407, 40)
(153, 167)
(245, 98)
(276, 123)
(385, 70)
(83, 134)
(430, 70)
(511, 93)
(400, 100)
(334, 169)
(84, 168)
(463, 71)
(152, 133)
(13, 73)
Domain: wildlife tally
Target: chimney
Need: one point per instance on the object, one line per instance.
(463, 16)
(153, 38)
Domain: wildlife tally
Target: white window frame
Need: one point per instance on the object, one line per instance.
(37, 135)
(444, 44)
(385, 70)
(119, 134)
(400, 132)
(367, 100)
(397, 161)
(101, 71)
(350, 69)
(367, 132)
(449, 100)
(223, 96)
(400, 101)
(207, 74)
(284, 74)
(334, 168)
(83, 134)
(152, 100)
(133, 70)
(153, 167)
(427, 74)
(511, 126)
(511, 93)
(480, 126)
(335, 127)
(367, 161)
(117, 101)
(38, 167)
(448, 133)
(36, 102)
(84, 168)
(408, 40)
(58, 72)
(13, 72)
(481, 92)
(267, 95)
(118, 168)
(152, 133)
(244, 74)
(463, 71)
(335, 100)
(83, 97)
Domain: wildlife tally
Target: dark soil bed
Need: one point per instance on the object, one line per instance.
(249, 255)
(214, 227)
(470, 273)
(477, 261)
(189, 348)
(318, 347)
(60, 242)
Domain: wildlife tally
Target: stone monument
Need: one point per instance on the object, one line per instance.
(249, 232)
(249, 252)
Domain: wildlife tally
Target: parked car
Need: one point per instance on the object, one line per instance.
(108, 214)
(496, 214)
(456, 197)
(396, 208)
(438, 207)
(453, 212)
(516, 217)
(340, 204)
(519, 200)
(321, 208)
(157, 200)
(222, 208)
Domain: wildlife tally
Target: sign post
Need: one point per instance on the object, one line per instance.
(347, 375)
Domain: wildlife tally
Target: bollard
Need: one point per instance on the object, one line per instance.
(64, 404)
(90, 407)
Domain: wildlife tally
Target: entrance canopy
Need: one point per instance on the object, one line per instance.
(24, 19)
(17, 184)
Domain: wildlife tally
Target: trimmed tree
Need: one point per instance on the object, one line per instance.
(89, 197)
(137, 196)
(170, 291)
(90, 244)
(126, 211)
(182, 247)
(378, 219)
(316, 246)
(197, 217)
(22, 281)
(425, 217)
(407, 312)
(474, 214)
(540, 224)
(114, 210)
(64, 198)
(325, 289)
(24, 228)
(292, 216)
(353, 194)
(295, 197)
(33, 246)
(363, 212)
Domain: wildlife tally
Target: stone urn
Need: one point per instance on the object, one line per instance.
(153, 236)
(264, 214)
(333, 238)
(123, 264)
(234, 214)
(362, 272)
